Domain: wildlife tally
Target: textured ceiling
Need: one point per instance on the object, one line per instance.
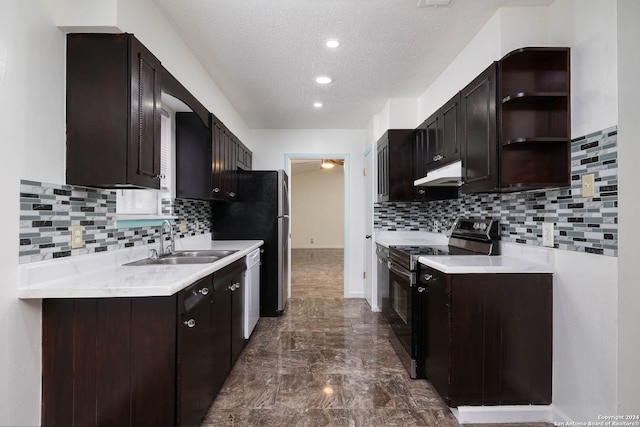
(265, 54)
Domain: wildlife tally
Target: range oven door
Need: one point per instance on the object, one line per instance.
(400, 311)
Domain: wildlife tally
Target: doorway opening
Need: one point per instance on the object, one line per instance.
(318, 261)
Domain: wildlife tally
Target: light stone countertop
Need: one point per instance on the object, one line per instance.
(103, 275)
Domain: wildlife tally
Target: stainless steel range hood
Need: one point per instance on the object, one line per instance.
(446, 176)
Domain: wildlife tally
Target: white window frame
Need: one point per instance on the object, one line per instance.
(147, 204)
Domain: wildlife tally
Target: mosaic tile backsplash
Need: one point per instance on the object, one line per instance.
(581, 224)
(48, 211)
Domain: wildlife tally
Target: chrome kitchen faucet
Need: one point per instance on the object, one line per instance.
(172, 247)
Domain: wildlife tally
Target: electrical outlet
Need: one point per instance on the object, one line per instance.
(77, 240)
(183, 226)
(547, 234)
(197, 225)
(312, 241)
(588, 185)
(436, 225)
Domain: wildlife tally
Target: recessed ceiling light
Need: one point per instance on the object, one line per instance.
(332, 43)
(317, 104)
(323, 80)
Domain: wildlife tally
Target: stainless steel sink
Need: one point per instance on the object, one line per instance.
(204, 256)
(203, 253)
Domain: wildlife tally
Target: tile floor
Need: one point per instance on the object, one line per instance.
(326, 362)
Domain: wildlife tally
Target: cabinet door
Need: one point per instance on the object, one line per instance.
(221, 322)
(420, 160)
(450, 131)
(193, 157)
(383, 170)
(144, 136)
(237, 313)
(437, 341)
(479, 136)
(217, 159)
(195, 352)
(432, 141)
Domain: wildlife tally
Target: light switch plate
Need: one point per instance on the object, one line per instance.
(77, 236)
(547, 234)
(588, 185)
(183, 226)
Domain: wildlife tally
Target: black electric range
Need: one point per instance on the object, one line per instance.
(468, 237)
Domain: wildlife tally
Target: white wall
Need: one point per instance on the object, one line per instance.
(317, 208)
(32, 56)
(586, 370)
(271, 150)
(629, 153)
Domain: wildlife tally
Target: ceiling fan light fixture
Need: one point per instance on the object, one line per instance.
(327, 164)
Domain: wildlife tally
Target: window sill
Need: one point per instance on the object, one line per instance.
(130, 221)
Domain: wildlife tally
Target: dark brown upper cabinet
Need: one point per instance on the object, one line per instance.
(113, 112)
(535, 118)
(395, 166)
(479, 133)
(516, 123)
(442, 136)
(400, 162)
(193, 157)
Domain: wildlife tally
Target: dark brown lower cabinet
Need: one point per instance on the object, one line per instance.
(147, 361)
(489, 337)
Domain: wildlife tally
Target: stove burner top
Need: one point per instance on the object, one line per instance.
(433, 250)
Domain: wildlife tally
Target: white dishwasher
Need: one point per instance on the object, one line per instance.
(251, 292)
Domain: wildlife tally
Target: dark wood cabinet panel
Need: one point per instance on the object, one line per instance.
(195, 353)
(228, 155)
(442, 135)
(95, 372)
(113, 112)
(479, 133)
(221, 315)
(395, 166)
(489, 337)
(193, 157)
(153, 361)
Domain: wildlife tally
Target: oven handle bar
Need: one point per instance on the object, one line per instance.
(401, 272)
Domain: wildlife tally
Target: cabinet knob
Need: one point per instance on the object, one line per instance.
(232, 194)
(421, 289)
(421, 191)
(368, 236)
(190, 323)
(204, 291)
(428, 277)
(438, 158)
(215, 190)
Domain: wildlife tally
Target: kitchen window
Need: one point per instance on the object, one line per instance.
(147, 204)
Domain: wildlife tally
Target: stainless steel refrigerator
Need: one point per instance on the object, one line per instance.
(261, 212)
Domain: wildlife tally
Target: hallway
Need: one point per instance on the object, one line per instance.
(326, 362)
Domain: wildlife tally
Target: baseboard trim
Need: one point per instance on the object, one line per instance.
(503, 414)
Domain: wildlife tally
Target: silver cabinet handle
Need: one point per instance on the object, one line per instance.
(428, 277)
(232, 194)
(438, 158)
(421, 289)
(204, 291)
(216, 190)
(190, 323)
(421, 191)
